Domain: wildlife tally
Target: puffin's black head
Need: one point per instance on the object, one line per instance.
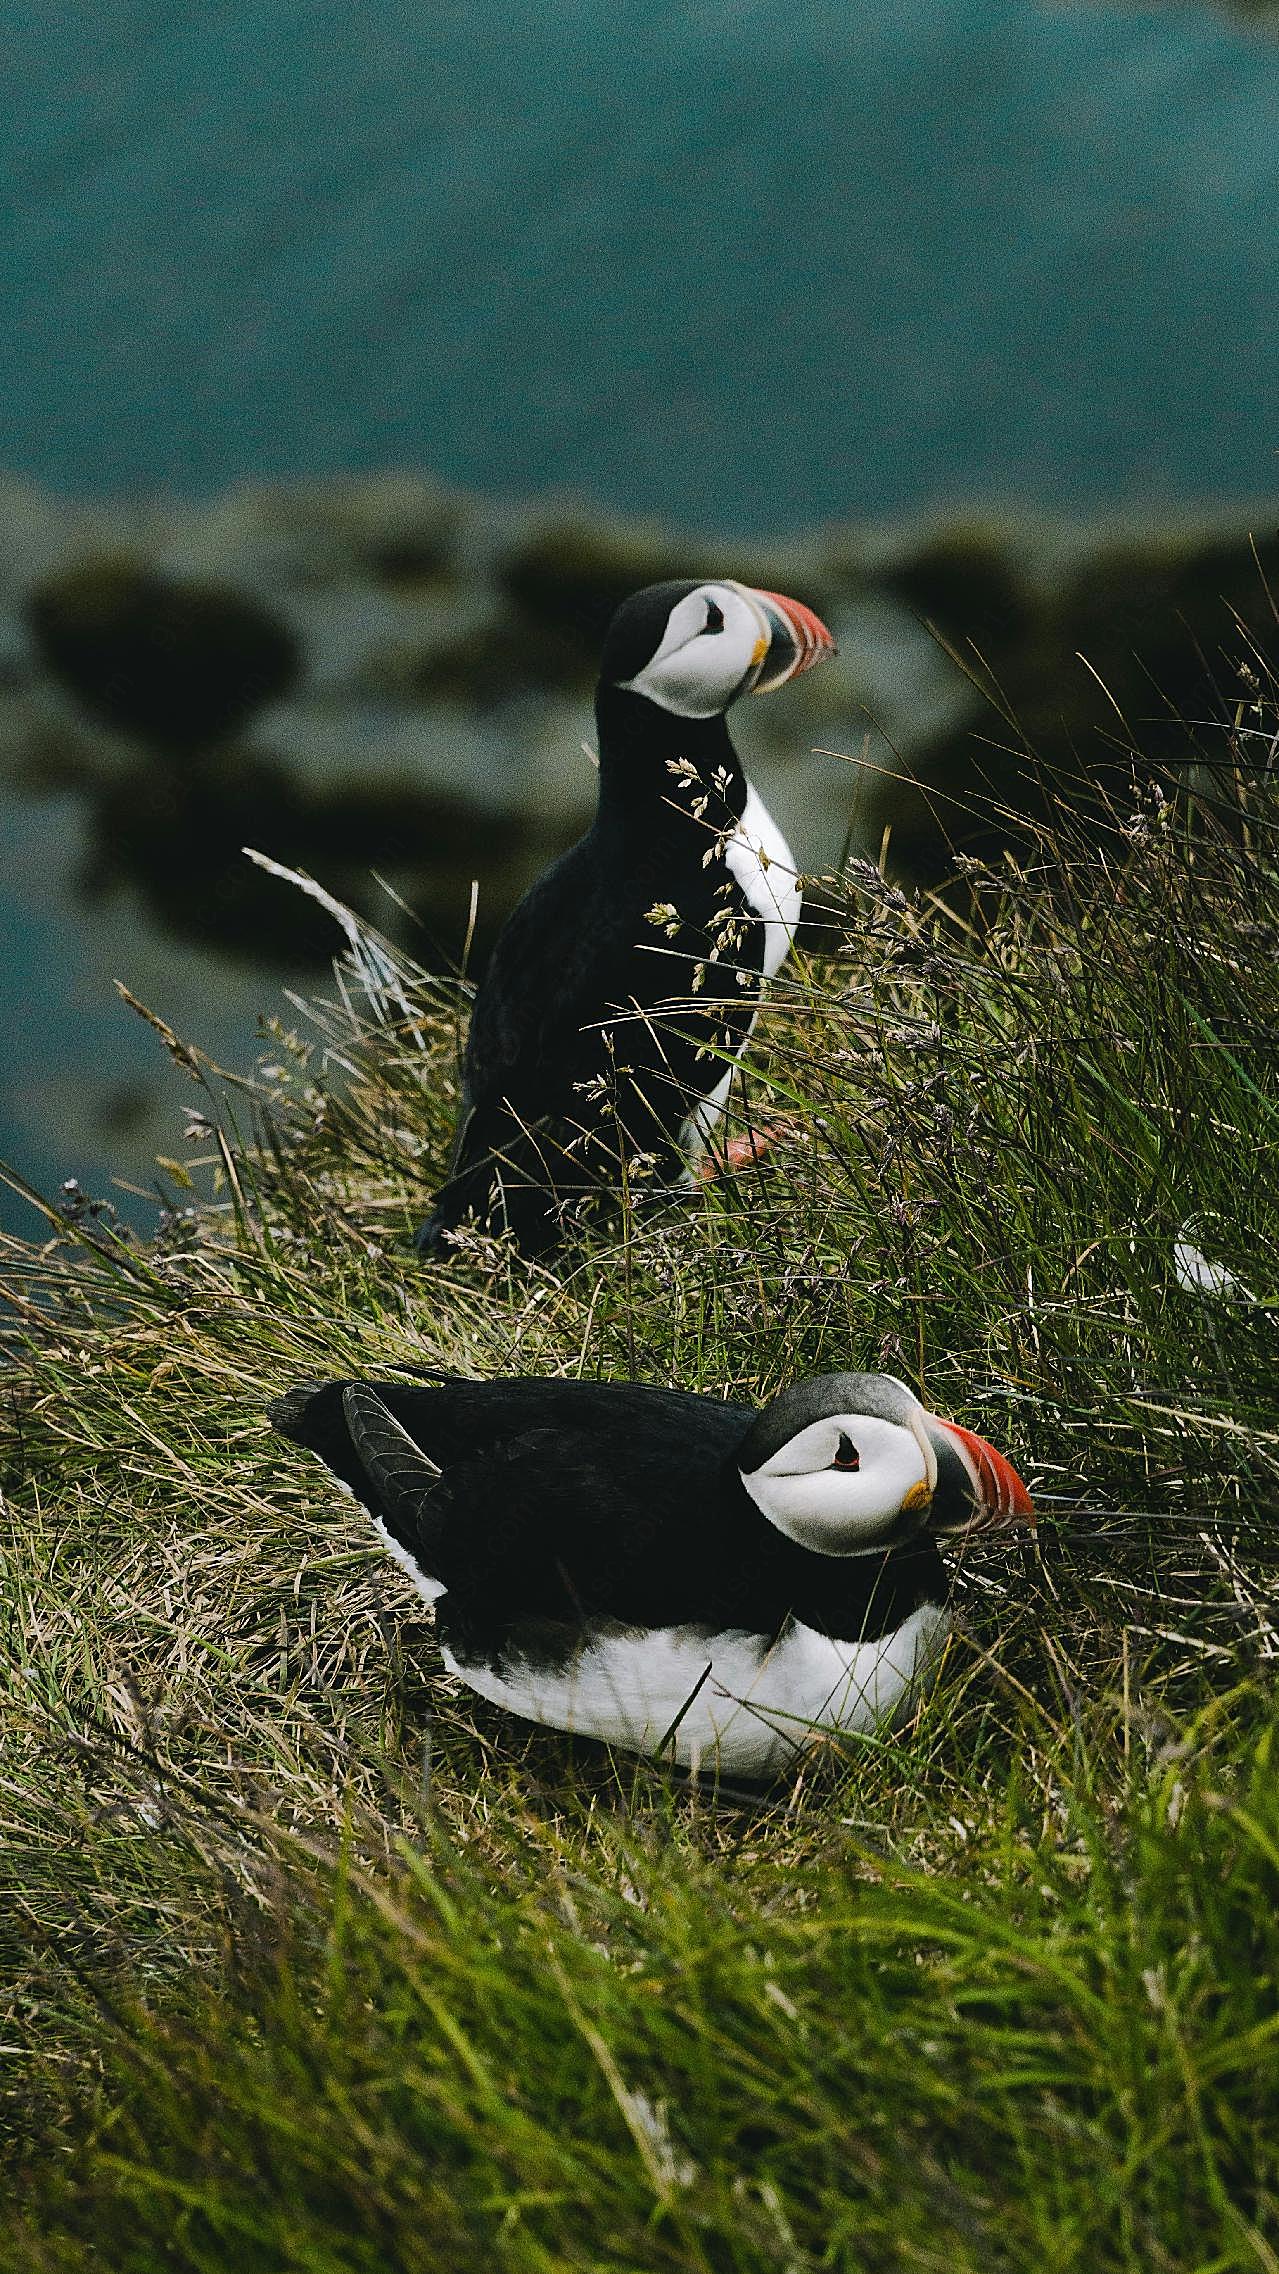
(694, 648)
(848, 1463)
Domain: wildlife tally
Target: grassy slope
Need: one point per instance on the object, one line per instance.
(316, 1965)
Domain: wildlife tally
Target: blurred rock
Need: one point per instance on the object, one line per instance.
(965, 581)
(178, 665)
(569, 577)
(392, 530)
(1119, 653)
(178, 843)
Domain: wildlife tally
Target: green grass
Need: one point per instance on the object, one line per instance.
(313, 1964)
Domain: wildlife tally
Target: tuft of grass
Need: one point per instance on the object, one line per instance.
(615, 2036)
(312, 1963)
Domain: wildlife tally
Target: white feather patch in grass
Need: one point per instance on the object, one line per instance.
(1197, 1274)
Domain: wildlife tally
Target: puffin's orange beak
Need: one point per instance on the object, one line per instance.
(793, 639)
(1001, 1496)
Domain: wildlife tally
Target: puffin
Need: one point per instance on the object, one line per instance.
(622, 990)
(708, 1584)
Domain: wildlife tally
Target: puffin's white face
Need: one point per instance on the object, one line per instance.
(843, 1483)
(722, 640)
(715, 638)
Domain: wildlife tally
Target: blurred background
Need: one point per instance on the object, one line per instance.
(356, 362)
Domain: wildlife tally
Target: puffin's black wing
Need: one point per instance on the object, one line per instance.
(568, 956)
(543, 1079)
(541, 986)
(544, 1500)
(534, 1037)
(573, 951)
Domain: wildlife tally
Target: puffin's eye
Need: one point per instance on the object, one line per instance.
(846, 1454)
(714, 617)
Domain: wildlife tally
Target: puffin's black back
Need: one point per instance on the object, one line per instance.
(565, 1502)
(454, 1419)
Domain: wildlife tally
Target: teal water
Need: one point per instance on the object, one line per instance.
(754, 266)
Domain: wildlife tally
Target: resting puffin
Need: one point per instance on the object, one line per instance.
(684, 1578)
(624, 986)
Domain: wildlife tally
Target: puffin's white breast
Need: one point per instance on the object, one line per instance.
(769, 883)
(755, 1709)
(771, 889)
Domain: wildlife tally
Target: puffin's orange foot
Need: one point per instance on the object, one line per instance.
(739, 1152)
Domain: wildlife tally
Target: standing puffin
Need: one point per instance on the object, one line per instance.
(684, 1578)
(624, 986)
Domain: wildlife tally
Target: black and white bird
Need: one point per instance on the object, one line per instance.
(623, 989)
(694, 1580)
